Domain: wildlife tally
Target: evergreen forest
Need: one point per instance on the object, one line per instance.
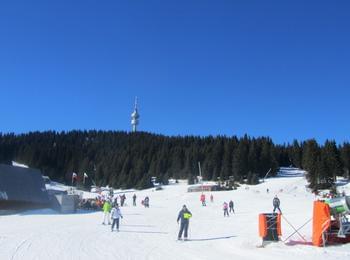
(129, 160)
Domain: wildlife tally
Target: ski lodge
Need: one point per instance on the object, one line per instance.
(21, 188)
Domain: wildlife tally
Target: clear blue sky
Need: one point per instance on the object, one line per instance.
(223, 67)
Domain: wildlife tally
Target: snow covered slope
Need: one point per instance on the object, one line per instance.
(290, 172)
(19, 164)
(150, 233)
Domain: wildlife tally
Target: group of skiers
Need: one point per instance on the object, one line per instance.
(202, 199)
(112, 212)
(226, 208)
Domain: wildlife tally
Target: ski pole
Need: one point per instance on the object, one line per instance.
(297, 230)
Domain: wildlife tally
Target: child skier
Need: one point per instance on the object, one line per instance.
(225, 208)
(202, 199)
(115, 215)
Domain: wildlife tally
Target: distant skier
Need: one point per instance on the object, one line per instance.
(230, 204)
(134, 200)
(202, 199)
(225, 208)
(115, 215)
(122, 200)
(211, 198)
(184, 216)
(276, 204)
(267, 190)
(106, 212)
(146, 202)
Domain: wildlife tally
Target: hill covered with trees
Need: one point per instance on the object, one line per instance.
(128, 160)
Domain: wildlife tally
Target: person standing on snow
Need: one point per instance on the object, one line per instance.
(276, 204)
(134, 200)
(211, 198)
(115, 215)
(184, 216)
(106, 212)
(230, 204)
(146, 202)
(202, 199)
(225, 208)
(122, 200)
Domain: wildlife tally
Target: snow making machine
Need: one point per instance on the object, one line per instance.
(270, 226)
(331, 223)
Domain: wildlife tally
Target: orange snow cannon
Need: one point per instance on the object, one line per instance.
(270, 226)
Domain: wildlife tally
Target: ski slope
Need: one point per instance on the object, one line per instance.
(150, 233)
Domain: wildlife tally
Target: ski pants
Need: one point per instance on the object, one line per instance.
(225, 212)
(277, 207)
(115, 222)
(231, 209)
(183, 227)
(106, 215)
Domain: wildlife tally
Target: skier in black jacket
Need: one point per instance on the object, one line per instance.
(184, 216)
(276, 204)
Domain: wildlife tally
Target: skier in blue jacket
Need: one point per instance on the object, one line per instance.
(184, 216)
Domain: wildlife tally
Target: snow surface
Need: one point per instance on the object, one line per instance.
(19, 164)
(150, 233)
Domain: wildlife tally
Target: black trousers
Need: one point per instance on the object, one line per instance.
(115, 222)
(183, 228)
(226, 212)
(277, 207)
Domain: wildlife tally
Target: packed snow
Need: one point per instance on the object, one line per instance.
(19, 164)
(151, 233)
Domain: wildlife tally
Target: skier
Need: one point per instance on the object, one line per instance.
(225, 207)
(202, 199)
(146, 202)
(106, 212)
(134, 200)
(122, 200)
(276, 204)
(115, 215)
(184, 216)
(211, 198)
(230, 204)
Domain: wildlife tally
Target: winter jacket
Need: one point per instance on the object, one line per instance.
(107, 207)
(116, 213)
(231, 204)
(225, 206)
(184, 215)
(276, 202)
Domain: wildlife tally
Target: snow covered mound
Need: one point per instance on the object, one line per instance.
(150, 233)
(290, 172)
(19, 164)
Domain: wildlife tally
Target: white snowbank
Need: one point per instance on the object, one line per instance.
(19, 164)
(150, 233)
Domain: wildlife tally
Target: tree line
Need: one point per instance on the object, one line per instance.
(129, 160)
